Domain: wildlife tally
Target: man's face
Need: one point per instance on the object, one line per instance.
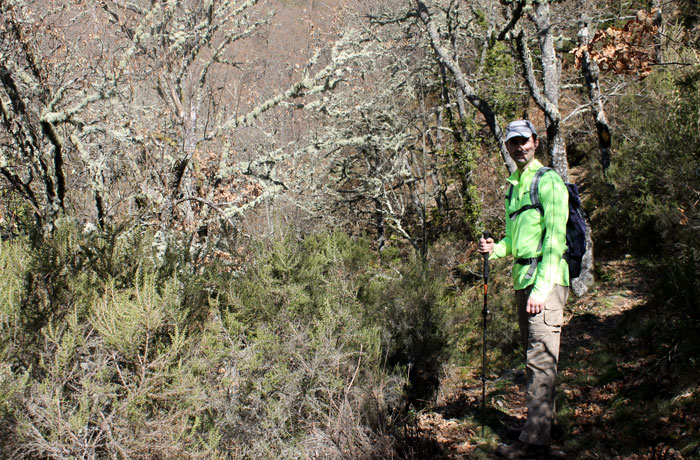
(522, 150)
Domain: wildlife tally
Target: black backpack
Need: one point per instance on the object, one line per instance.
(575, 226)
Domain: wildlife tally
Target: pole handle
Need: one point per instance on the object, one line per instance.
(486, 235)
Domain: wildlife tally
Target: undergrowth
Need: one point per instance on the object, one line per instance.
(312, 348)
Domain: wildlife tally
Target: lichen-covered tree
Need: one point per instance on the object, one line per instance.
(381, 173)
(466, 89)
(153, 109)
(39, 89)
(392, 137)
(213, 152)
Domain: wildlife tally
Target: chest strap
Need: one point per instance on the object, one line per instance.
(534, 195)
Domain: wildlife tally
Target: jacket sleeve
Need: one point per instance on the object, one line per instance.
(555, 201)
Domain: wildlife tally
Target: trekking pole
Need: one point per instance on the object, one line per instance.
(484, 314)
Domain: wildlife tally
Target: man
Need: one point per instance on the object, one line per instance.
(537, 242)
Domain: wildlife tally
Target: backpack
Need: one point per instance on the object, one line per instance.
(575, 226)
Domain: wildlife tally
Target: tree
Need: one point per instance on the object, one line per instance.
(33, 148)
(377, 172)
(387, 146)
(150, 103)
(462, 83)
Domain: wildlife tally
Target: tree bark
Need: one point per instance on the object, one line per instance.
(551, 78)
(39, 146)
(547, 100)
(590, 72)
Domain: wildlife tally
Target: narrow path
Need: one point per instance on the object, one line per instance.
(609, 403)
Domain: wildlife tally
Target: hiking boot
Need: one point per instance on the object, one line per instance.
(520, 449)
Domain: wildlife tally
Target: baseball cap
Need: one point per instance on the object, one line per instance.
(520, 128)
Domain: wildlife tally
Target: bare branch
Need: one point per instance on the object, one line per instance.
(481, 105)
(547, 107)
(208, 203)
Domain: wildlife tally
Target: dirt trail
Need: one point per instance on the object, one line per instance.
(603, 411)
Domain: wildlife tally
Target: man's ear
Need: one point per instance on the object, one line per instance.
(537, 142)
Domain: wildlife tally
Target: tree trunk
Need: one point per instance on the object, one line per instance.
(551, 79)
(580, 285)
(589, 69)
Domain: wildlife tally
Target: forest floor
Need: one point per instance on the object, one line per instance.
(625, 389)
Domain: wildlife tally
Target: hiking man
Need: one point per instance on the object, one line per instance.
(536, 238)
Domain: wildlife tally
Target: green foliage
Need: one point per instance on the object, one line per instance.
(13, 263)
(18, 215)
(471, 204)
(649, 208)
(414, 309)
(400, 317)
(462, 168)
(308, 350)
(499, 67)
(652, 206)
(296, 280)
(62, 275)
(502, 336)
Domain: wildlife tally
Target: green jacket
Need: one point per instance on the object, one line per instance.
(524, 232)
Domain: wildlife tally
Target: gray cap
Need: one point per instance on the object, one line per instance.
(520, 128)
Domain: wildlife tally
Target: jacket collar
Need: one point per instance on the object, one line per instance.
(530, 171)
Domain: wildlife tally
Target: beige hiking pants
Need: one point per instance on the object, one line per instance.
(540, 334)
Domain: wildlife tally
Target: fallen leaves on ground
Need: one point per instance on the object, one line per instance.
(613, 385)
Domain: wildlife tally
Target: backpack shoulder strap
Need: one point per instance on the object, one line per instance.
(534, 194)
(534, 188)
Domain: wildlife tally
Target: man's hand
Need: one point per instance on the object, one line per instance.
(534, 306)
(485, 246)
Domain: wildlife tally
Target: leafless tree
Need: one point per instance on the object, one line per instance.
(391, 135)
(591, 73)
(152, 109)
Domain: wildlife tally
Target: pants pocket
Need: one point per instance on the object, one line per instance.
(554, 306)
(553, 316)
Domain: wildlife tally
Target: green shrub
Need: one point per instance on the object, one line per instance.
(313, 347)
(466, 330)
(282, 359)
(13, 264)
(655, 171)
(414, 310)
(651, 208)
